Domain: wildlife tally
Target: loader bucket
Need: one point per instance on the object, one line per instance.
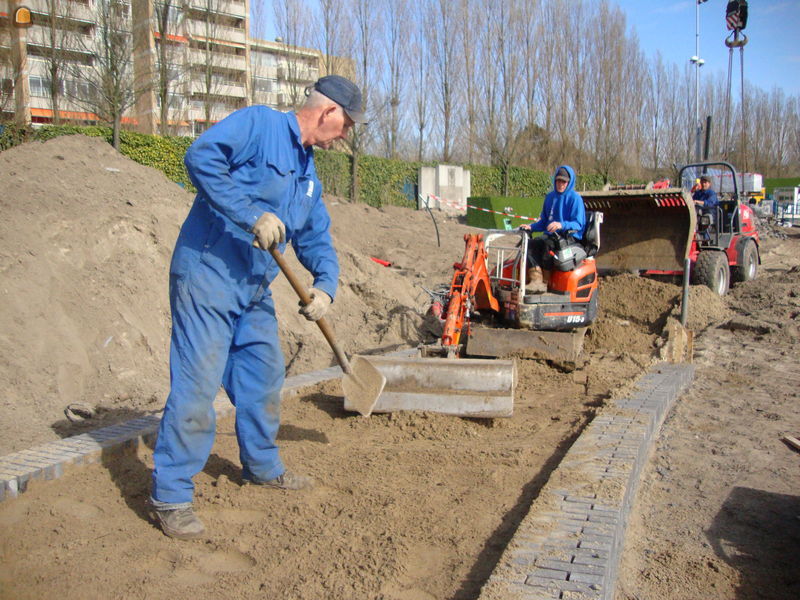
(644, 230)
(464, 387)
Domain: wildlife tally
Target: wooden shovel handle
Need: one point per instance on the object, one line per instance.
(306, 299)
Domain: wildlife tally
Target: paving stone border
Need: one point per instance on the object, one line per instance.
(50, 460)
(570, 543)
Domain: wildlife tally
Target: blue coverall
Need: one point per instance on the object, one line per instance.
(223, 317)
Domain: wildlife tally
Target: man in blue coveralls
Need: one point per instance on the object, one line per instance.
(256, 181)
(563, 212)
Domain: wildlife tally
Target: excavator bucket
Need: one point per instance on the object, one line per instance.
(644, 230)
(463, 387)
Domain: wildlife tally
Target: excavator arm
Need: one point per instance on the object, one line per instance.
(470, 289)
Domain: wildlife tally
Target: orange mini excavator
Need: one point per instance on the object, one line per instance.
(485, 312)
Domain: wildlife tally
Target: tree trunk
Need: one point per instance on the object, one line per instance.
(116, 129)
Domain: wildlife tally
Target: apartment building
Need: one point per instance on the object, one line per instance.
(188, 63)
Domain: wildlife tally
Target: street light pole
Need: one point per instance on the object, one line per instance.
(698, 62)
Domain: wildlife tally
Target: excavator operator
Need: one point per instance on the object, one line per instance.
(563, 214)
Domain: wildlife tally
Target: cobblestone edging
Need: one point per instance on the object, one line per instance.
(570, 544)
(49, 460)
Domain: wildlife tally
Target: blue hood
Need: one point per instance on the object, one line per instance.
(571, 184)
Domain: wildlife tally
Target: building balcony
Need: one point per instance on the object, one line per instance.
(229, 90)
(214, 32)
(225, 7)
(73, 11)
(40, 36)
(231, 62)
(297, 74)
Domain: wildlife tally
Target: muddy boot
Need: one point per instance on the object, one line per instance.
(180, 523)
(535, 282)
(287, 481)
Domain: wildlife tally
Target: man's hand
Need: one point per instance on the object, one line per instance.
(269, 229)
(524, 227)
(316, 309)
(554, 226)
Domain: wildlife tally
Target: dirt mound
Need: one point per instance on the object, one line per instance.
(85, 254)
(634, 312)
(86, 239)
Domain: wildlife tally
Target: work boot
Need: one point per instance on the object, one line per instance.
(535, 282)
(287, 481)
(180, 523)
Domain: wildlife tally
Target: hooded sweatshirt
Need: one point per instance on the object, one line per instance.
(566, 208)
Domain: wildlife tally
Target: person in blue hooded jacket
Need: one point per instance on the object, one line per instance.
(256, 186)
(563, 213)
(706, 198)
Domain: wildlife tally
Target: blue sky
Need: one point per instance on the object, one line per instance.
(772, 54)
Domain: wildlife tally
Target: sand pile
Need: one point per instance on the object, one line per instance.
(87, 237)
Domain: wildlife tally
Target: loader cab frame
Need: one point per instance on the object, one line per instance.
(726, 250)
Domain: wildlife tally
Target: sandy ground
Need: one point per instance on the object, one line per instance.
(407, 506)
(718, 514)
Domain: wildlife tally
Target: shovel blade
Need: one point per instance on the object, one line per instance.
(362, 386)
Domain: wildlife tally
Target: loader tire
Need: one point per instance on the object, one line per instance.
(748, 268)
(711, 269)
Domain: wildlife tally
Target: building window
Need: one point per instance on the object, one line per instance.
(78, 89)
(262, 84)
(40, 86)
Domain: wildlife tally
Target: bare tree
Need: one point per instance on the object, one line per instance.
(333, 36)
(444, 40)
(210, 78)
(59, 31)
(505, 68)
(396, 16)
(365, 18)
(170, 71)
(9, 72)
(419, 79)
(471, 24)
(291, 20)
(529, 23)
(110, 78)
(262, 64)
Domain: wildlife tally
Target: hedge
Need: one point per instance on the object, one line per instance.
(381, 180)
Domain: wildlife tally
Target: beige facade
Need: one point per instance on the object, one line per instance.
(210, 64)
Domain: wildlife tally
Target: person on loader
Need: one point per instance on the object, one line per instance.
(706, 201)
(257, 183)
(705, 197)
(563, 213)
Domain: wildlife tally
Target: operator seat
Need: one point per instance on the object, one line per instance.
(591, 233)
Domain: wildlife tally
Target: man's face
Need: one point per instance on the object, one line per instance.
(705, 184)
(334, 125)
(561, 185)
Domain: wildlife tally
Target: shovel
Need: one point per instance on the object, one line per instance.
(362, 382)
